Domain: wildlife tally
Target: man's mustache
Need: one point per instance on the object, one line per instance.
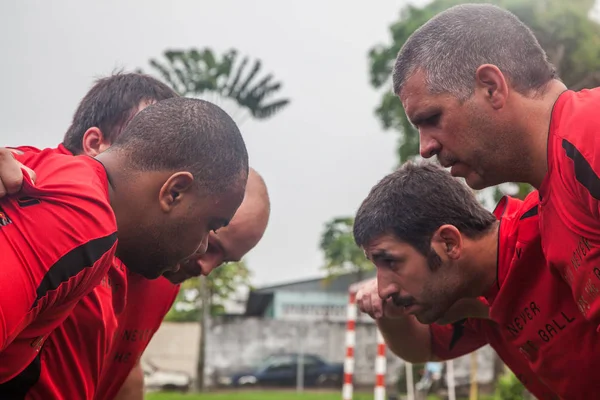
(402, 301)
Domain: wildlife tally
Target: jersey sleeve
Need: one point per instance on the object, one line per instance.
(457, 339)
(580, 169)
(573, 149)
(577, 190)
(57, 240)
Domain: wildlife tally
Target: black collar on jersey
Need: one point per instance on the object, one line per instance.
(458, 331)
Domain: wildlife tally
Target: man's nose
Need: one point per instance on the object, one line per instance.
(384, 286)
(428, 147)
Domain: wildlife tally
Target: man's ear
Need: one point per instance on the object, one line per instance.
(447, 240)
(491, 85)
(94, 142)
(175, 189)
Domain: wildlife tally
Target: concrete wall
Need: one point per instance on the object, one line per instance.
(242, 342)
(236, 342)
(175, 347)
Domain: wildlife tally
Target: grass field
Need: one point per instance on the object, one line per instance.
(252, 395)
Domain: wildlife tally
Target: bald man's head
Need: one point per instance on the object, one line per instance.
(250, 221)
(231, 243)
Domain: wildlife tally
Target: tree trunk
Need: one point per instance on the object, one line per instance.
(200, 367)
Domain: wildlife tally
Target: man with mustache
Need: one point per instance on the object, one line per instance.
(486, 100)
(464, 328)
(434, 245)
(81, 343)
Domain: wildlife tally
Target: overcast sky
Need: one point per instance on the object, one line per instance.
(319, 157)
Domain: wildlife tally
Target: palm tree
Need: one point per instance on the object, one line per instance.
(224, 81)
(221, 80)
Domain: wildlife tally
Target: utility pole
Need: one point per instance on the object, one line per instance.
(200, 366)
(473, 394)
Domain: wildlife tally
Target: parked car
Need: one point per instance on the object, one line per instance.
(162, 379)
(281, 370)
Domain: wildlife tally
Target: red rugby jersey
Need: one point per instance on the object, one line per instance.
(535, 310)
(79, 352)
(57, 241)
(72, 357)
(148, 301)
(466, 336)
(569, 194)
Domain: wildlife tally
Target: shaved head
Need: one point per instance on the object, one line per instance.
(250, 221)
(231, 243)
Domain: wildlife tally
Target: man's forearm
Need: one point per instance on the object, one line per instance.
(133, 387)
(407, 338)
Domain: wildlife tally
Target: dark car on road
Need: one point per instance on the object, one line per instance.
(281, 370)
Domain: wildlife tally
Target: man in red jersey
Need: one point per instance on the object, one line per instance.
(57, 241)
(497, 112)
(138, 324)
(207, 129)
(433, 244)
(464, 328)
(110, 104)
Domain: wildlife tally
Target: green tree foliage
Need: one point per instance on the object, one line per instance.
(198, 73)
(509, 387)
(341, 253)
(223, 283)
(563, 28)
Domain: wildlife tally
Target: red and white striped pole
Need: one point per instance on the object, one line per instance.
(350, 342)
(380, 368)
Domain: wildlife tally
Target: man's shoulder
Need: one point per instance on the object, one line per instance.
(575, 120)
(65, 174)
(572, 106)
(527, 220)
(20, 150)
(516, 214)
(518, 240)
(573, 145)
(54, 159)
(70, 197)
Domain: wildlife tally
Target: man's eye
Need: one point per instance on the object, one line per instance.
(433, 120)
(393, 264)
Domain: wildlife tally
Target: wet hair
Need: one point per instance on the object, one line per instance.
(412, 202)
